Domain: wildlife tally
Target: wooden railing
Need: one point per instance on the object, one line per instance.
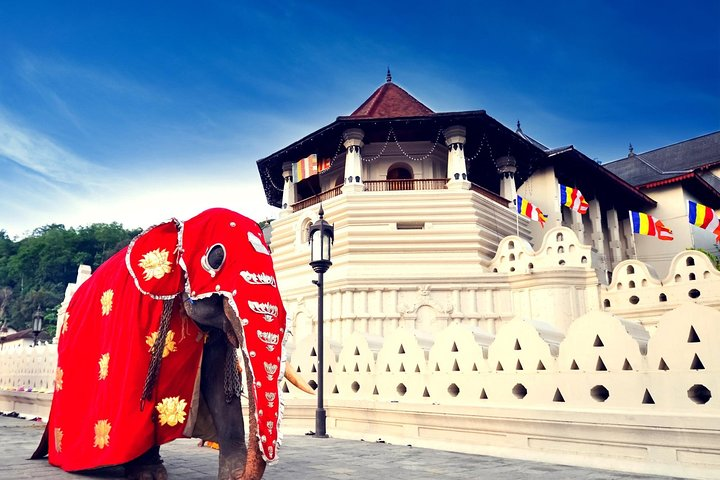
(398, 185)
(410, 184)
(316, 199)
(490, 195)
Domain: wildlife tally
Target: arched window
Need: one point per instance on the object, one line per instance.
(396, 176)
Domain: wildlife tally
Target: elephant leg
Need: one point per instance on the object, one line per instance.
(227, 417)
(148, 466)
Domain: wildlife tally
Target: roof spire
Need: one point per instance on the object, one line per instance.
(630, 150)
(388, 77)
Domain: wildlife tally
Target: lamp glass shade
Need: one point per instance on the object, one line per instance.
(37, 322)
(319, 246)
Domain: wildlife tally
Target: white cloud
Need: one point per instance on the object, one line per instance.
(41, 155)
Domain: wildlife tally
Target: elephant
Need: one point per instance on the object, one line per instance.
(148, 352)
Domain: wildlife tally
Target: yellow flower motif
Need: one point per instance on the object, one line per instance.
(106, 301)
(58, 440)
(102, 434)
(155, 263)
(58, 379)
(169, 342)
(104, 363)
(172, 411)
(65, 323)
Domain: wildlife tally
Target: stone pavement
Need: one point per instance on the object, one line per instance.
(303, 458)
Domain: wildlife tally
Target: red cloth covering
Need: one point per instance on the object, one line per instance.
(104, 349)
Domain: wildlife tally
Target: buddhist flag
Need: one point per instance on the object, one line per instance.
(573, 199)
(644, 224)
(704, 217)
(529, 210)
(323, 164)
(305, 168)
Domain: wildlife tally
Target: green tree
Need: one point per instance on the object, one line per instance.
(35, 270)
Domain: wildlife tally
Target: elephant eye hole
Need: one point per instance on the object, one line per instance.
(214, 258)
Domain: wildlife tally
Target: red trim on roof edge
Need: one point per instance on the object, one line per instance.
(667, 181)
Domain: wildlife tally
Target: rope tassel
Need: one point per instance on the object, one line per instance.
(156, 353)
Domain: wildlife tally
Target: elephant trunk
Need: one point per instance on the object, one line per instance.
(254, 464)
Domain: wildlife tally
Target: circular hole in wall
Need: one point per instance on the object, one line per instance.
(401, 389)
(355, 386)
(694, 293)
(599, 393)
(699, 394)
(634, 300)
(453, 390)
(519, 391)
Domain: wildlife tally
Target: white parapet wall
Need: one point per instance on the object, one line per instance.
(606, 394)
(634, 387)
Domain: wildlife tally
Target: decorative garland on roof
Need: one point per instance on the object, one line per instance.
(391, 133)
(268, 177)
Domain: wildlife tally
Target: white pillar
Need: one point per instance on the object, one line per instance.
(455, 141)
(353, 160)
(288, 198)
(615, 239)
(506, 167)
(577, 225)
(598, 237)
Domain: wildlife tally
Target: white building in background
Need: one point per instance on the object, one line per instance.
(420, 202)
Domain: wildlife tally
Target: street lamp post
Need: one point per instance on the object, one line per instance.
(321, 236)
(3, 334)
(37, 325)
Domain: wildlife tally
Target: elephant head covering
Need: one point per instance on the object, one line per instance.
(110, 337)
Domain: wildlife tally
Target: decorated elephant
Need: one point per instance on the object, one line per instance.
(148, 352)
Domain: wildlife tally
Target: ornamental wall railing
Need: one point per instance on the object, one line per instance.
(314, 200)
(397, 185)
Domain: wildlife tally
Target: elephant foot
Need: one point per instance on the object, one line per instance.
(148, 466)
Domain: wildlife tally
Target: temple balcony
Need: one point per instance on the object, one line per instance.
(397, 185)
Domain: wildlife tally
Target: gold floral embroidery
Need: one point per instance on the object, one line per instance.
(169, 342)
(172, 411)
(104, 363)
(58, 379)
(106, 301)
(102, 434)
(155, 263)
(58, 440)
(65, 324)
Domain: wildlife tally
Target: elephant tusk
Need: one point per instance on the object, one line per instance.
(297, 380)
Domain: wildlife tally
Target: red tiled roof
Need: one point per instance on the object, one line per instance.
(390, 101)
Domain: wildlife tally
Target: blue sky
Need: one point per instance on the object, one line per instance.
(139, 111)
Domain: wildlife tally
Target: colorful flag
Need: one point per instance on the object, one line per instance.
(573, 199)
(704, 217)
(529, 210)
(324, 164)
(644, 224)
(305, 168)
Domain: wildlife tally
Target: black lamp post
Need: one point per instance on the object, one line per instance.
(37, 324)
(321, 236)
(3, 334)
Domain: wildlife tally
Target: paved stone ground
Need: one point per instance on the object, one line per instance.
(303, 458)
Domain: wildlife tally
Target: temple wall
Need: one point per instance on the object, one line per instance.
(603, 390)
(637, 293)
(519, 361)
